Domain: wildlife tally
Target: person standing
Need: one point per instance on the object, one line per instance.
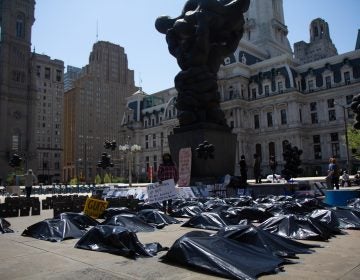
(273, 165)
(257, 169)
(243, 171)
(167, 170)
(30, 180)
(333, 173)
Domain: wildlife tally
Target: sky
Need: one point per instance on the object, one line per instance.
(67, 30)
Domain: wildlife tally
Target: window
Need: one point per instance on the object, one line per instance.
(328, 81)
(154, 140)
(20, 32)
(314, 118)
(317, 147)
(347, 77)
(283, 116)
(311, 85)
(271, 149)
(335, 147)
(313, 106)
(47, 73)
(146, 141)
(15, 143)
(256, 122)
(300, 115)
(280, 86)
(267, 90)
(155, 163)
(258, 150)
(269, 119)
(350, 113)
(253, 93)
(147, 162)
(331, 103)
(58, 75)
(162, 139)
(332, 115)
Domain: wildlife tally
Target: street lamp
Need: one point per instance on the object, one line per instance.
(130, 149)
(348, 162)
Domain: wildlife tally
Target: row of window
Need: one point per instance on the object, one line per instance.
(152, 142)
(47, 73)
(334, 142)
(269, 118)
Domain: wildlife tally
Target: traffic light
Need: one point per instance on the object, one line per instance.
(205, 150)
(105, 161)
(15, 160)
(110, 145)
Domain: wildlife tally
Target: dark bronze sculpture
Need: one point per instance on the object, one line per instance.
(200, 38)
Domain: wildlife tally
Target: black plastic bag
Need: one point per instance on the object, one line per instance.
(81, 220)
(53, 230)
(156, 217)
(222, 256)
(5, 226)
(348, 218)
(296, 227)
(207, 220)
(275, 244)
(116, 240)
(130, 222)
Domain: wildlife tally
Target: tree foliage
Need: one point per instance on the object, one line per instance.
(354, 142)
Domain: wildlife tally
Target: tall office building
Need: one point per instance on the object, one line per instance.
(71, 75)
(93, 110)
(48, 85)
(17, 100)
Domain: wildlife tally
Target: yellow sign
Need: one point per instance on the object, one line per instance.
(95, 207)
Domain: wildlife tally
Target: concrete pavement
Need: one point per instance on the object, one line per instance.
(30, 259)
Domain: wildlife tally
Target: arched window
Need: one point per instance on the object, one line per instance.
(258, 150)
(271, 149)
(284, 143)
(20, 26)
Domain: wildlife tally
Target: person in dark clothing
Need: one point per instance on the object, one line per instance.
(333, 173)
(167, 170)
(243, 171)
(257, 169)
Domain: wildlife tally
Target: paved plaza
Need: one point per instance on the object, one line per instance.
(30, 259)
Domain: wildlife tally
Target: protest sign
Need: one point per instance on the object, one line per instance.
(184, 167)
(160, 192)
(95, 207)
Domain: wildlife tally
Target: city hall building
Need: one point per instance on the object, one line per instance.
(270, 95)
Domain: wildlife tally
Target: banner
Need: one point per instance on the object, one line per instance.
(160, 192)
(185, 192)
(95, 207)
(184, 167)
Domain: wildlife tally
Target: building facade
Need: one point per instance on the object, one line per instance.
(93, 110)
(17, 99)
(48, 81)
(270, 96)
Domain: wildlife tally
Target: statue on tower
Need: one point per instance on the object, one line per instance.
(200, 38)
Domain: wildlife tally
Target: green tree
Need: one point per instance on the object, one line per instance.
(354, 142)
(107, 178)
(97, 179)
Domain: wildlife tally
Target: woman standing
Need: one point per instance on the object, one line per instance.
(167, 170)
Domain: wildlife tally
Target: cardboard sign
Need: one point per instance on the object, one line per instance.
(184, 167)
(95, 207)
(160, 192)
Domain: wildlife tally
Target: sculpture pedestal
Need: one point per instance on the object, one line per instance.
(207, 171)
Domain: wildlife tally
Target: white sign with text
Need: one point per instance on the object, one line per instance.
(159, 192)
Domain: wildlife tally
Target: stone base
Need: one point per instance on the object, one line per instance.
(209, 170)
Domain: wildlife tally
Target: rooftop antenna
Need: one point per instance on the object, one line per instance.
(97, 30)
(140, 82)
